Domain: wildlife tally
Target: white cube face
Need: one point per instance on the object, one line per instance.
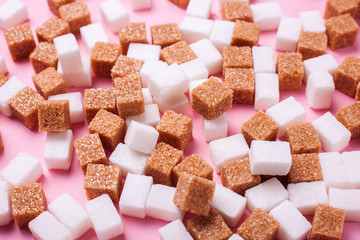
(115, 15)
(7, 91)
(3, 67)
(221, 34)
(263, 59)
(151, 116)
(91, 34)
(208, 55)
(312, 21)
(333, 170)
(352, 167)
(267, 15)
(216, 128)
(5, 208)
(266, 90)
(194, 29)
(145, 52)
(81, 77)
(347, 199)
(76, 105)
(68, 52)
(58, 149)
(141, 137)
(147, 96)
(174, 229)
(199, 8)
(319, 90)
(288, 34)
(12, 13)
(179, 104)
(324, 62)
(195, 70)
(140, 4)
(150, 68)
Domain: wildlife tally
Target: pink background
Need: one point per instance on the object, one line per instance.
(17, 138)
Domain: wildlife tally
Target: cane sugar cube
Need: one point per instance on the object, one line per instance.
(263, 59)
(126, 66)
(333, 170)
(349, 117)
(103, 58)
(104, 217)
(68, 53)
(199, 8)
(319, 90)
(179, 53)
(328, 223)
(237, 57)
(5, 207)
(151, 116)
(3, 67)
(259, 225)
(8, 90)
(312, 44)
(44, 56)
(194, 84)
(212, 226)
(132, 33)
(58, 150)
(194, 29)
(195, 69)
(89, 150)
(52, 28)
(358, 11)
(342, 31)
(312, 21)
(150, 68)
(266, 90)
(115, 15)
(96, 99)
(55, 4)
(303, 138)
(267, 15)
(165, 34)
(91, 34)
(49, 82)
(347, 75)
(143, 52)
(290, 71)
(208, 54)
(178, 104)
(324, 62)
(305, 168)
(53, 115)
(140, 4)
(174, 231)
(357, 94)
(76, 106)
(216, 128)
(12, 13)
(80, 77)
(77, 14)
(242, 82)
(141, 137)
(236, 10)
(235, 237)
(27, 202)
(288, 33)
(338, 7)
(351, 164)
(347, 199)
(221, 34)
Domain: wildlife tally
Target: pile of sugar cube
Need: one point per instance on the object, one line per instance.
(140, 129)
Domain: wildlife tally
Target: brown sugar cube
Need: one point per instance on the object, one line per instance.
(357, 95)
(49, 82)
(125, 66)
(358, 10)
(118, 81)
(236, 10)
(132, 33)
(349, 116)
(76, 14)
(165, 34)
(242, 82)
(103, 179)
(161, 162)
(303, 138)
(98, 98)
(20, 41)
(290, 71)
(240, 57)
(3, 79)
(52, 28)
(55, 4)
(328, 223)
(260, 127)
(27, 202)
(54, 115)
(347, 75)
(103, 58)
(338, 7)
(195, 165)
(212, 98)
(312, 44)
(175, 129)
(44, 56)
(24, 106)
(305, 168)
(179, 53)
(259, 225)
(236, 175)
(180, 3)
(342, 31)
(211, 227)
(245, 34)
(194, 194)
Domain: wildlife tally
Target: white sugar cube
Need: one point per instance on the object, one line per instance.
(267, 15)
(58, 150)
(333, 135)
(45, 226)
(92, 33)
(270, 158)
(312, 21)
(7, 91)
(174, 231)
(324, 62)
(5, 208)
(347, 199)
(208, 54)
(76, 105)
(199, 8)
(150, 68)
(293, 225)
(178, 104)
(151, 116)
(333, 170)
(115, 15)
(221, 34)
(145, 52)
(81, 77)
(22, 170)
(160, 204)
(216, 128)
(68, 52)
(227, 149)
(286, 113)
(267, 92)
(140, 4)
(288, 34)
(70, 214)
(134, 195)
(230, 205)
(266, 195)
(319, 90)
(147, 96)
(3, 67)
(141, 137)
(104, 217)
(195, 69)
(194, 29)
(352, 167)
(305, 196)
(12, 13)
(235, 237)
(263, 59)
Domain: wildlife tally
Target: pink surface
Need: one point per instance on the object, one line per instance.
(17, 138)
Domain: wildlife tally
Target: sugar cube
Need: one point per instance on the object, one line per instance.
(312, 21)
(140, 4)
(267, 15)
(290, 70)
(266, 90)
(144, 52)
(134, 32)
(3, 67)
(199, 8)
(12, 13)
(347, 75)
(178, 104)
(150, 68)
(80, 77)
(8, 90)
(333, 170)
(335, 8)
(303, 138)
(76, 106)
(236, 10)
(194, 29)
(98, 98)
(147, 96)
(216, 128)
(319, 90)
(52, 28)
(347, 199)
(115, 14)
(221, 34)
(245, 34)
(208, 55)
(174, 231)
(5, 208)
(53, 115)
(92, 33)
(351, 164)
(141, 137)
(58, 150)
(103, 57)
(288, 34)
(165, 34)
(49, 82)
(151, 116)
(68, 52)
(195, 69)
(325, 62)
(77, 14)
(312, 44)
(263, 59)
(242, 82)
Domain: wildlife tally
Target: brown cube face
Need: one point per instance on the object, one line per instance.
(260, 127)
(54, 115)
(212, 98)
(103, 58)
(194, 194)
(24, 106)
(3, 79)
(236, 10)
(179, 53)
(236, 175)
(240, 57)
(20, 41)
(342, 31)
(125, 66)
(165, 34)
(1, 144)
(132, 33)
(27, 202)
(212, 227)
(52, 28)
(358, 10)
(357, 94)
(349, 116)
(76, 14)
(245, 34)
(49, 82)
(102, 179)
(290, 71)
(328, 223)
(98, 98)
(303, 138)
(338, 7)
(161, 162)
(55, 4)
(175, 129)
(44, 56)
(180, 3)
(242, 82)
(110, 127)
(305, 168)
(347, 75)
(259, 225)
(312, 44)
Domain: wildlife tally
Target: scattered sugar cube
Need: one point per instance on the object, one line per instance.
(132, 33)
(179, 53)
(245, 34)
(325, 62)
(333, 170)
(236, 10)
(5, 207)
(143, 52)
(55, 4)
(115, 15)
(178, 104)
(91, 34)
(81, 77)
(221, 34)
(12, 13)
(165, 34)
(303, 138)
(263, 59)
(347, 75)
(347, 199)
(150, 68)
(290, 71)
(216, 128)
(54, 115)
(49, 82)
(58, 150)
(151, 116)
(237, 57)
(208, 54)
(199, 8)
(305, 168)
(195, 69)
(76, 106)
(266, 90)
(288, 34)
(267, 15)
(140, 4)
(242, 82)
(147, 96)
(141, 137)
(125, 66)
(3, 67)
(194, 29)
(319, 90)
(312, 44)
(335, 8)
(77, 14)
(52, 28)
(194, 84)
(312, 21)
(174, 231)
(351, 164)
(8, 90)
(44, 56)
(96, 99)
